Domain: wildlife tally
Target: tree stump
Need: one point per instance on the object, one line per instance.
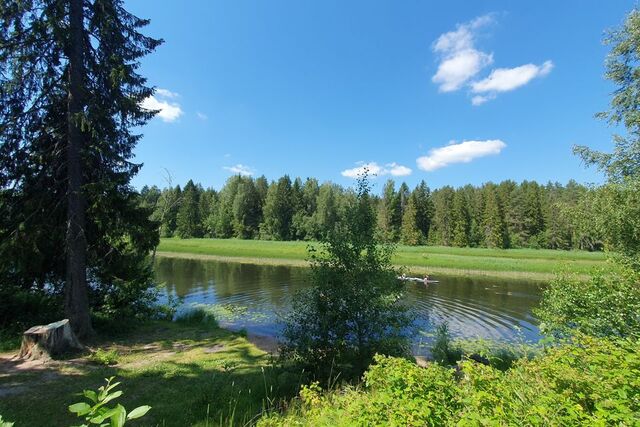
(44, 341)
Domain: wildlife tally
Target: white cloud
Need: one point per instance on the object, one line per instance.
(481, 99)
(202, 116)
(374, 169)
(398, 170)
(460, 60)
(166, 93)
(454, 72)
(507, 79)
(240, 169)
(463, 152)
(167, 111)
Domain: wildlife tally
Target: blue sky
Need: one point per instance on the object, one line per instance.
(451, 92)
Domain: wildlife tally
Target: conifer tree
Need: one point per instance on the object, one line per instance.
(410, 235)
(390, 214)
(70, 93)
(494, 226)
(442, 218)
(461, 220)
(424, 208)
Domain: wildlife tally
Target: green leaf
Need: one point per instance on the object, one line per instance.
(91, 395)
(119, 417)
(80, 409)
(140, 411)
(112, 396)
(104, 414)
(98, 419)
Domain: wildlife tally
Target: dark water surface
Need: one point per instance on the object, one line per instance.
(256, 296)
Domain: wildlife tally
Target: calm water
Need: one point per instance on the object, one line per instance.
(257, 296)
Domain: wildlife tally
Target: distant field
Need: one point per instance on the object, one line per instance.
(534, 264)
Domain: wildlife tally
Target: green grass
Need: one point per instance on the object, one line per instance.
(536, 264)
(184, 371)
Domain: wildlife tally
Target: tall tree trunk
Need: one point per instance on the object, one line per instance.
(76, 292)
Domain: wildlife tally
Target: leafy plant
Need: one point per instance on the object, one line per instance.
(443, 351)
(354, 309)
(605, 305)
(97, 412)
(586, 381)
(105, 357)
(4, 423)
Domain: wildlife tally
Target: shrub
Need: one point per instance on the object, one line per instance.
(443, 350)
(353, 310)
(105, 357)
(605, 305)
(588, 381)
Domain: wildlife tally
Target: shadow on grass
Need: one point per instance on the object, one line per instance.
(190, 375)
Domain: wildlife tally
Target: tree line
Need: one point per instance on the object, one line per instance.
(504, 215)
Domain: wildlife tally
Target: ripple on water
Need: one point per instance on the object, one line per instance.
(495, 309)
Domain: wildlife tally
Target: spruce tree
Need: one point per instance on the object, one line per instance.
(494, 226)
(424, 208)
(461, 220)
(70, 93)
(410, 234)
(390, 213)
(443, 215)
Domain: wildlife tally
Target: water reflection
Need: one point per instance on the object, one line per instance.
(488, 308)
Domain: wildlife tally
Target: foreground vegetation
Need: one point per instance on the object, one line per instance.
(587, 382)
(536, 264)
(191, 373)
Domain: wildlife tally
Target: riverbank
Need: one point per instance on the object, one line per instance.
(189, 374)
(524, 264)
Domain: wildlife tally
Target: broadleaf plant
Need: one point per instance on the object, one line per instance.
(96, 412)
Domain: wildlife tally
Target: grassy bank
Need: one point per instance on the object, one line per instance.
(534, 264)
(183, 371)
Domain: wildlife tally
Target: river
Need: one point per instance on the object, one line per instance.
(255, 297)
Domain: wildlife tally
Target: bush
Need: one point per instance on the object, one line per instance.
(589, 381)
(605, 305)
(443, 351)
(105, 357)
(499, 354)
(353, 310)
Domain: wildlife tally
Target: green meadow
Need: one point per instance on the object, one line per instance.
(533, 264)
